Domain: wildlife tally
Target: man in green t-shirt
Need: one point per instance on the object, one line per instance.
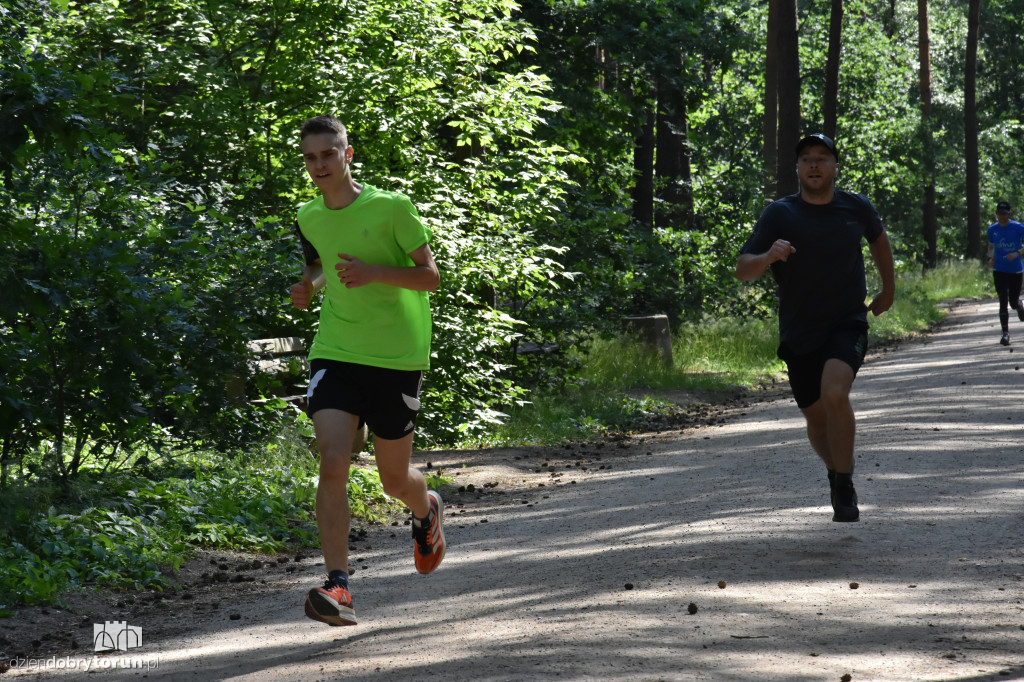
(371, 252)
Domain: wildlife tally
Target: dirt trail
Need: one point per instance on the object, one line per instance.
(703, 554)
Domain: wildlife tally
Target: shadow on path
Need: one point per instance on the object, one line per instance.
(709, 555)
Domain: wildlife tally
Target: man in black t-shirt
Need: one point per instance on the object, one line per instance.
(812, 243)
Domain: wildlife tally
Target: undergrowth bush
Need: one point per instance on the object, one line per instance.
(131, 529)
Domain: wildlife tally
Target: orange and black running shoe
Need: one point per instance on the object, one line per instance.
(429, 537)
(331, 604)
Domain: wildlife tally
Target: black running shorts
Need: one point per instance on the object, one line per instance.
(849, 344)
(387, 400)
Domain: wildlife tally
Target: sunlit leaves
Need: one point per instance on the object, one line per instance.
(168, 132)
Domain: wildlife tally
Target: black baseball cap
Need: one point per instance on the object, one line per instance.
(817, 139)
(1003, 206)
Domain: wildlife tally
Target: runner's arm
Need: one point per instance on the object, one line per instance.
(750, 266)
(313, 280)
(421, 276)
(881, 253)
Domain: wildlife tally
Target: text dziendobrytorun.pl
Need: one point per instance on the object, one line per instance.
(86, 664)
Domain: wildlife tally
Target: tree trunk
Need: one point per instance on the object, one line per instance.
(789, 96)
(672, 167)
(930, 226)
(835, 43)
(971, 160)
(771, 102)
(889, 21)
(6, 448)
(643, 168)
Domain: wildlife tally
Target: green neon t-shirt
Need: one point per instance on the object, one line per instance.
(380, 325)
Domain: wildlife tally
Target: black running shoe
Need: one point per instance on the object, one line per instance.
(844, 502)
(1020, 310)
(1006, 339)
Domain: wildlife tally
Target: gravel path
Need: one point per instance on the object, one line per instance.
(706, 554)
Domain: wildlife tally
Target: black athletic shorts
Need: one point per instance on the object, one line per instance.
(387, 400)
(849, 344)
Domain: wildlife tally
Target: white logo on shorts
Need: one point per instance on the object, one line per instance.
(313, 382)
(412, 403)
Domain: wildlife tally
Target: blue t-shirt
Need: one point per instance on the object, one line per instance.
(1007, 239)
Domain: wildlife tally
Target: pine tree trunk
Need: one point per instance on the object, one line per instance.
(672, 167)
(971, 160)
(771, 102)
(930, 223)
(835, 44)
(643, 167)
(789, 97)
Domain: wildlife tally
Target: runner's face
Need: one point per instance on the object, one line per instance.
(816, 168)
(327, 158)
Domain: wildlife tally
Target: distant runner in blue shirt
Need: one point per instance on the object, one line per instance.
(1005, 248)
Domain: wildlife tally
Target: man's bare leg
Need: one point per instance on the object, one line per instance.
(408, 484)
(399, 479)
(334, 432)
(831, 429)
(332, 603)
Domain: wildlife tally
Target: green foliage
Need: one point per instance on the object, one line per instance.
(150, 178)
(132, 529)
(366, 496)
(96, 546)
(436, 480)
(627, 386)
(921, 293)
(621, 381)
(151, 173)
(957, 279)
(117, 332)
(705, 354)
(609, 61)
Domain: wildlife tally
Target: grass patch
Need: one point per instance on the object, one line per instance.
(920, 295)
(622, 380)
(956, 279)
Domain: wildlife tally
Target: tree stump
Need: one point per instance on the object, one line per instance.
(652, 330)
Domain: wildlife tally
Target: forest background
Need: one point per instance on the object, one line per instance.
(578, 162)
